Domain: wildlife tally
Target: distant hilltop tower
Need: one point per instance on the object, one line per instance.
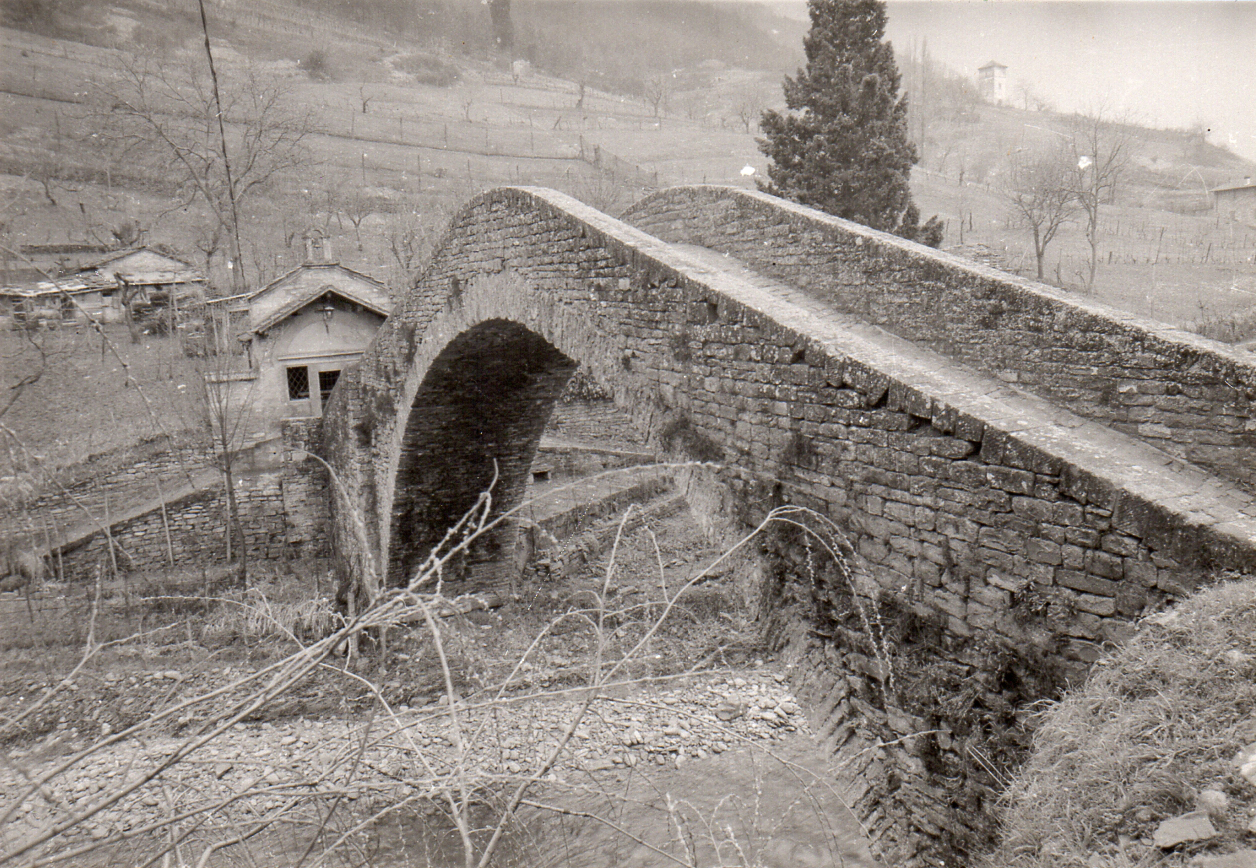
(992, 82)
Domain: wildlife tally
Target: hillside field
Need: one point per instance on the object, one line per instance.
(401, 132)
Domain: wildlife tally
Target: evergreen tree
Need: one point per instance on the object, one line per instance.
(842, 147)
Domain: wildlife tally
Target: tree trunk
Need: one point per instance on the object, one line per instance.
(47, 185)
(128, 316)
(1094, 260)
(234, 524)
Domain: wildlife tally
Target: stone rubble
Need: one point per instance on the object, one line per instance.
(1245, 762)
(252, 769)
(1240, 859)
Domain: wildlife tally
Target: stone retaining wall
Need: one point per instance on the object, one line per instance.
(117, 478)
(283, 511)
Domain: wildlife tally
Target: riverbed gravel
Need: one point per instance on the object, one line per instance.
(251, 770)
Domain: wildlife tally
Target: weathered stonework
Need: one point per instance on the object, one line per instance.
(1187, 395)
(144, 471)
(283, 510)
(1007, 539)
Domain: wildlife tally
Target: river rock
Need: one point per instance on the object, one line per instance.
(1245, 762)
(1214, 803)
(1192, 826)
(1241, 859)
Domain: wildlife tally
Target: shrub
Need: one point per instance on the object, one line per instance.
(316, 65)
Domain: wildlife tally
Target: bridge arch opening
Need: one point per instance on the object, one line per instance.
(478, 413)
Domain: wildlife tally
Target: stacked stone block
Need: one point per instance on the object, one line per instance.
(114, 480)
(283, 512)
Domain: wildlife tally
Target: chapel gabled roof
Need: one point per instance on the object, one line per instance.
(307, 283)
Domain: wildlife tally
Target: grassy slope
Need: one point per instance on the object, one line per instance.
(84, 404)
(419, 149)
(1179, 268)
(1159, 722)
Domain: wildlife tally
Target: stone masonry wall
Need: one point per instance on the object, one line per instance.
(116, 479)
(1188, 395)
(283, 511)
(1002, 541)
(592, 422)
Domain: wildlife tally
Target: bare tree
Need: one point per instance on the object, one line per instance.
(1040, 193)
(163, 113)
(44, 158)
(228, 393)
(747, 105)
(657, 89)
(1101, 148)
(694, 106)
(602, 190)
(23, 367)
(356, 208)
(410, 237)
(1030, 98)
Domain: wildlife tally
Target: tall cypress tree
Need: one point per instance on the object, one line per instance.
(842, 146)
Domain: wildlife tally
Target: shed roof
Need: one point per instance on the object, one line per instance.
(143, 265)
(79, 283)
(1235, 187)
(186, 275)
(304, 284)
(138, 259)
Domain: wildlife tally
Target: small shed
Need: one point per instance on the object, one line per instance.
(152, 283)
(147, 278)
(53, 303)
(1237, 202)
(302, 330)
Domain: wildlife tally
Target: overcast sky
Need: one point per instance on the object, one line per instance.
(1170, 62)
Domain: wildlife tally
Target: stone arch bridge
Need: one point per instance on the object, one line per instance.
(1014, 467)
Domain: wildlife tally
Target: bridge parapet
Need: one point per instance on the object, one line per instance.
(1190, 396)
